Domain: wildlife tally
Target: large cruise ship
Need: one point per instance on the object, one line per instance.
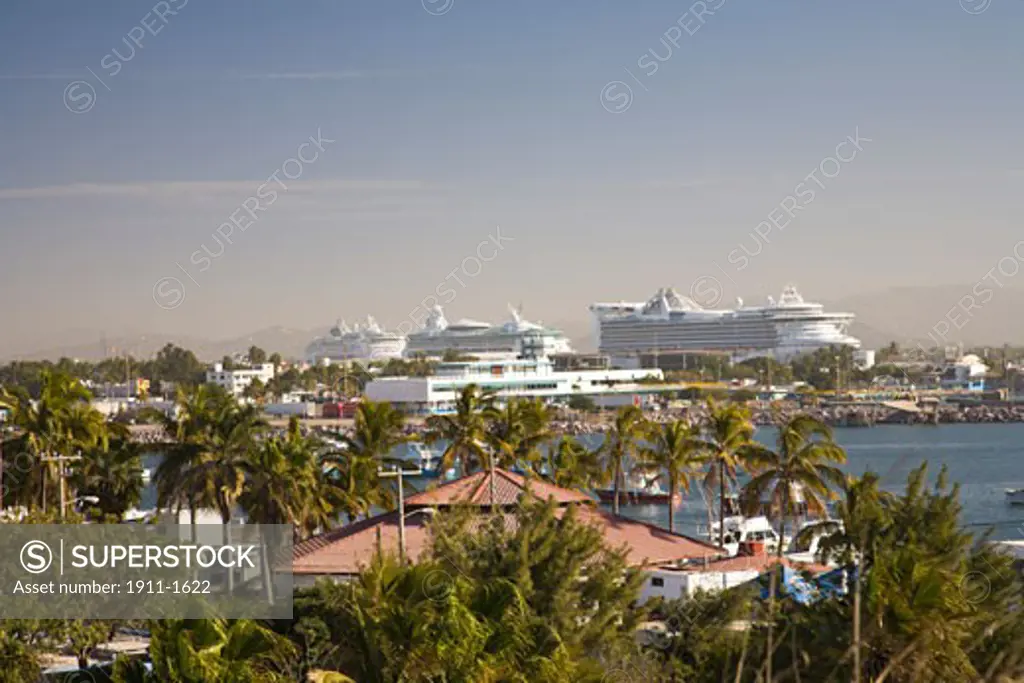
(360, 342)
(671, 323)
(515, 338)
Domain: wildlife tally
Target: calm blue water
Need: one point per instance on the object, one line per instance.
(984, 459)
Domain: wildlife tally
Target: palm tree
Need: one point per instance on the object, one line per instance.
(464, 431)
(379, 427)
(284, 478)
(353, 483)
(60, 423)
(620, 445)
(728, 435)
(517, 430)
(675, 454)
(572, 465)
(187, 445)
(802, 463)
(281, 478)
(201, 650)
(112, 475)
(863, 517)
(220, 478)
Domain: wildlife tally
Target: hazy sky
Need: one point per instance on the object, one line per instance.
(439, 121)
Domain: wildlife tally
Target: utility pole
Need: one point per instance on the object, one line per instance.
(60, 460)
(398, 472)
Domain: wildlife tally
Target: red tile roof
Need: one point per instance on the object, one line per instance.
(475, 489)
(347, 550)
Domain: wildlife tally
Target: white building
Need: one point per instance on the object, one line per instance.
(235, 381)
(965, 374)
(531, 378)
(864, 359)
(671, 582)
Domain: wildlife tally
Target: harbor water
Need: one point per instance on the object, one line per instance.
(985, 459)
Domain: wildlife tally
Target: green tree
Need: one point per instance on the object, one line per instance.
(20, 662)
(283, 480)
(728, 436)
(675, 454)
(112, 475)
(257, 356)
(210, 651)
(582, 402)
(256, 391)
(620, 446)
(177, 365)
(572, 465)
(188, 445)
(517, 430)
(863, 517)
(354, 470)
(464, 432)
(539, 600)
(61, 423)
(802, 466)
(220, 478)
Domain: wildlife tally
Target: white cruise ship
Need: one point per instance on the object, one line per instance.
(671, 323)
(360, 342)
(513, 339)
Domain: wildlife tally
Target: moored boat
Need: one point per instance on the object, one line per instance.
(639, 491)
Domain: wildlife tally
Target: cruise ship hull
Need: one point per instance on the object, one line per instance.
(669, 323)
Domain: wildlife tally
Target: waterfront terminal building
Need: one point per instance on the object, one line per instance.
(526, 378)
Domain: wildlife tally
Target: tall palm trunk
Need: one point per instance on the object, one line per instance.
(265, 568)
(776, 570)
(721, 504)
(192, 520)
(615, 493)
(225, 516)
(493, 487)
(856, 617)
(671, 503)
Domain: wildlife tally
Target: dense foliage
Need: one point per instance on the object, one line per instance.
(533, 593)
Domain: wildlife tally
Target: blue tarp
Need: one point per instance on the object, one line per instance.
(804, 591)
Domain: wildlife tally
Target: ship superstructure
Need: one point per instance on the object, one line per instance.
(669, 322)
(515, 338)
(368, 341)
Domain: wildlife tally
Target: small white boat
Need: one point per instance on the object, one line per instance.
(740, 531)
(1015, 496)
(807, 540)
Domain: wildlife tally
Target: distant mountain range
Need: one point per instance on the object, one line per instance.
(937, 316)
(906, 315)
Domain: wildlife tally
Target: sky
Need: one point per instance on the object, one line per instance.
(543, 154)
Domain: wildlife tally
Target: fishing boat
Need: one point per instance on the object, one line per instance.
(639, 491)
(742, 531)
